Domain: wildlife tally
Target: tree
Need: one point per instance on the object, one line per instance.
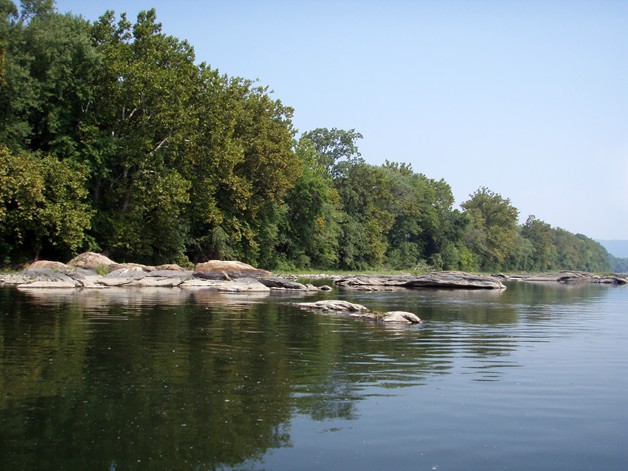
(35, 8)
(541, 237)
(43, 208)
(491, 233)
(312, 219)
(365, 193)
(241, 165)
(336, 149)
(133, 135)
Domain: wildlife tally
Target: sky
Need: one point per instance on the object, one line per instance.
(528, 98)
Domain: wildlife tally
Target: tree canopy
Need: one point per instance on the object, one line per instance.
(114, 138)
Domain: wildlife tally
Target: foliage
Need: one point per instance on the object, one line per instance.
(114, 138)
(492, 230)
(619, 265)
(336, 149)
(42, 206)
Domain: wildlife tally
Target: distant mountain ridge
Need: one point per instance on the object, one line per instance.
(617, 248)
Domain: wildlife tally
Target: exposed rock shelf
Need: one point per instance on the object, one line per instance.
(443, 280)
(569, 277)
(95, 271)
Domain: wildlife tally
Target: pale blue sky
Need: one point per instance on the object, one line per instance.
(528, 97)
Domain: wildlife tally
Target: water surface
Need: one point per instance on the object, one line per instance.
(122, 379)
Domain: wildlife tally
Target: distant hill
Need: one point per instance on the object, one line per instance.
(618, 248)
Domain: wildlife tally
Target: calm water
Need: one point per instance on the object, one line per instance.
(533, 378)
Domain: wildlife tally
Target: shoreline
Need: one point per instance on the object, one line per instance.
(95, 271)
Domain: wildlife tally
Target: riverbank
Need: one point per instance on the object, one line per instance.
(95, 271)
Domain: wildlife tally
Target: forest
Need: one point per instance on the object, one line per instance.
(114, 139)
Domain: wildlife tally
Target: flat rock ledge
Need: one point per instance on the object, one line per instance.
(442, 280)
(47, 274)
(358, 311)
(569, 277)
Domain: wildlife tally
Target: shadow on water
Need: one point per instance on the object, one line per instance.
(132, 379)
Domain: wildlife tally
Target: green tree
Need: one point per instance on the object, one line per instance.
(365, 195)
(241, 164)
(43, 208)
(541, 237)
(492, 230)
(336, 148)
(133, 138)
(312, 220)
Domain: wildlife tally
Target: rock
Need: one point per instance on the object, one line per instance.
(157, 281)
(48, 264)
(201, 283)
(325, 288)
(184, 275)
(572, 277)
(332, 305)
(401, 316)
(133, 266)
(211, 275)
(138, 276)
(455, 280)
(282, 283)
(443, 280)
(162, 278)
(45, 278)
(91, 261)
(170, 267)
(122, 276)
(235, 269)
(611, 280)
(48, 284)
(242, 285)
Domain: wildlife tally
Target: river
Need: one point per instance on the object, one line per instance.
(534, 377)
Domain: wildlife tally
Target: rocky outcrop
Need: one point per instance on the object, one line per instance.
(359, 311)
(443, 280)
(92, 270)
(91, 261)
(233, 269)
(40, 264)
(58, 277)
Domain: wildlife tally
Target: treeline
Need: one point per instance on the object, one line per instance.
(113, 139)
(619, 265)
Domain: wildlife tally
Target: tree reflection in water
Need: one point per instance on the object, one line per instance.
(129, 379)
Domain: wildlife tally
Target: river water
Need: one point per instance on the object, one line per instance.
(531, 378)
